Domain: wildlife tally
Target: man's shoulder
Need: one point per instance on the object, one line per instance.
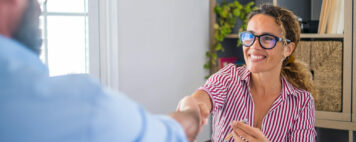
(77, 85)
(10, 47)
(14, 58)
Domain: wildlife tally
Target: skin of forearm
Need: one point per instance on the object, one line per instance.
(204, 102)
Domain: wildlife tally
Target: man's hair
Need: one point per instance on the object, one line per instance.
(28, 32)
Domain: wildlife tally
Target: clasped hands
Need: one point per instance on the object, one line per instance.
(191, 107)
(241, 132)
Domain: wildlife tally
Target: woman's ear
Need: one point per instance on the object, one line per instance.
(288, 50)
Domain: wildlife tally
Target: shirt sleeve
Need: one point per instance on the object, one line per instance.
(118, 118)
(303, 128)
(76, 109)
(217, 86)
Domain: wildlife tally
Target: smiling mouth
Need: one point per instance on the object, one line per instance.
(257, 58)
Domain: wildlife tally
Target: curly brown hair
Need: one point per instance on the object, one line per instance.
(296, 72)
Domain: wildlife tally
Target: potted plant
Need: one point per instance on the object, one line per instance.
(227, 14)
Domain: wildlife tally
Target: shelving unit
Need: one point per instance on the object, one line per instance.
(306, 35)
(354, 68)
(323, 36)
(233, 36)
(346, 119)
(345, 115)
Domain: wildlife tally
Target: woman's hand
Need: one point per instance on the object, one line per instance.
(189, 118)
(243, 132)
(190, 103)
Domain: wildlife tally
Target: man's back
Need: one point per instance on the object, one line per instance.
(36, 107)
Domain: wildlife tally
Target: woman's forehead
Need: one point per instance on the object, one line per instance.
(261, 23)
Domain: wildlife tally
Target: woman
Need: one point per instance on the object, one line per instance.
(272, 91)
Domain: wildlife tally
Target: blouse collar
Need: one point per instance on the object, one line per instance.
(287, 88)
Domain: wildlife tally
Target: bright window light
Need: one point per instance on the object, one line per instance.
(64, 25)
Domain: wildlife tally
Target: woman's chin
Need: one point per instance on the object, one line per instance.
(254, 69)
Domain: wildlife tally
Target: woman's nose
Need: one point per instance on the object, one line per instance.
(256, 44)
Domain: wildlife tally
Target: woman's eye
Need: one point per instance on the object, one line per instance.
(267, 38)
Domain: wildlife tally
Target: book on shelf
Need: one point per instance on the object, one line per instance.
(331, 19)
(323, 17)
(227, 60)
(340, 26)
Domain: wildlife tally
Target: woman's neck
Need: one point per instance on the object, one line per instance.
(266, 83)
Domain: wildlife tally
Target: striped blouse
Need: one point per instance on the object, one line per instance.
(290, 118)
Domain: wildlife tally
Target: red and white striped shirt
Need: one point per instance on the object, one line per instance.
(291, 117)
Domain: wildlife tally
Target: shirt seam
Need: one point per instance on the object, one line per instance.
(211, 98)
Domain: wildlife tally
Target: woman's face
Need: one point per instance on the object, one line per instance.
(260, 60)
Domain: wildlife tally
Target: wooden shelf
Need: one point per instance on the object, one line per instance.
(338, 116)
(233, 36)
(321, 35)
(332, 124)
(303, 36)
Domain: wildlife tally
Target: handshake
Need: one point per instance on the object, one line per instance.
(192, 116)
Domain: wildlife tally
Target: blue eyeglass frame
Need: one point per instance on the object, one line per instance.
(258, 36)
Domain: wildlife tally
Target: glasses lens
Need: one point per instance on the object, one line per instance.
(247, 38)
(268, 41)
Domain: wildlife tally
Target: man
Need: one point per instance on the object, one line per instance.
(37, 108)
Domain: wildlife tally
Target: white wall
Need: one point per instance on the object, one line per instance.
(162, 44)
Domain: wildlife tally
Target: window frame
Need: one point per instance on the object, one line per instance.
(103, 41)
(45, 15)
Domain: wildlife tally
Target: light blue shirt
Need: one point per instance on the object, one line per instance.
(74, 108)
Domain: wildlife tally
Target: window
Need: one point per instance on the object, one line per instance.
(64, 25)
(80, 36)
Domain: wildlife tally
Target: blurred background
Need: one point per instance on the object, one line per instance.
(158, 51)
(153, 51)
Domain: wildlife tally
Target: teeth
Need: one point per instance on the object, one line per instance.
(256, 57)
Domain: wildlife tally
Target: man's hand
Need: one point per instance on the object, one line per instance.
(243, 132)
(188, 115)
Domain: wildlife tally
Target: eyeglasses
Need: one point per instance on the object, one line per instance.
(267, 41)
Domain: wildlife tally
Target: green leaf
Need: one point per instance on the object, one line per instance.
(236, 3)
(207, 54)
(214, 57)
(219, 37)
(248, 10)
(241, 29)
(240, 6)
(218, 9)
(237, 12)
(207, 65)
(238, 42)
(232, 22)
(207, 77)
(226, 29)
(249, 4)
(219, 47)
(216, 26)
(225, 12)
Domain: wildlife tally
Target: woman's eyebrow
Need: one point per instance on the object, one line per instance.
(251, 32)
(260, 34)
(267, 33)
